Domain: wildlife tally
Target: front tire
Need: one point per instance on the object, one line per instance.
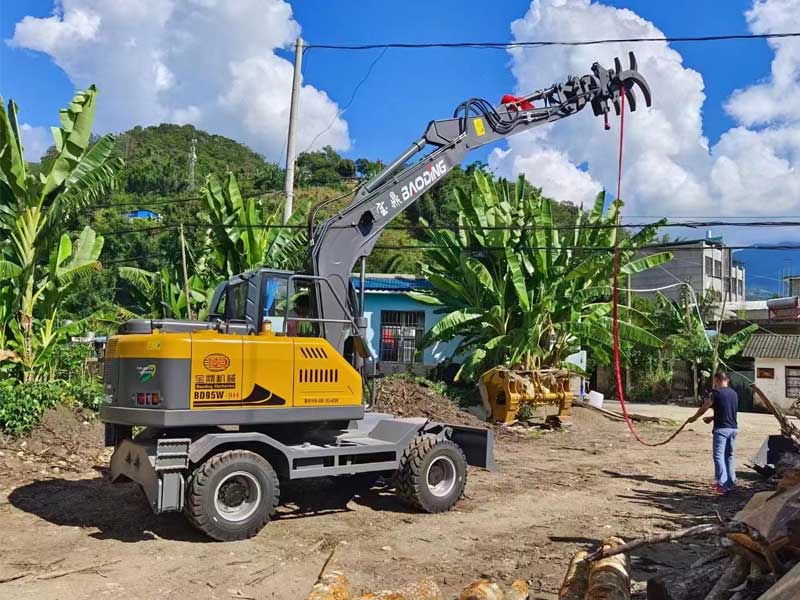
(432, 474)
(232, 495)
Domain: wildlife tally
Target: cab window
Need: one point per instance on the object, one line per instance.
(300, 310)
(274, 301)
(237, 297)
(219, 310)
(274, 296)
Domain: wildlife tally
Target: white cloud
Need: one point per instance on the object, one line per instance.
(35, 141)
(206, 62)
(669, 168)
(777, 98)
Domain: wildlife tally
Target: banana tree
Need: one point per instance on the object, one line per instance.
(244, 235)
(161, 293)
(516, 292)
(33, 215)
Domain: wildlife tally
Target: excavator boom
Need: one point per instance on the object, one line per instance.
(338, 242)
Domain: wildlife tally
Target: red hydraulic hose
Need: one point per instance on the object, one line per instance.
(615, 298)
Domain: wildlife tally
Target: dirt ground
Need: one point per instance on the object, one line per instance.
(71, 534)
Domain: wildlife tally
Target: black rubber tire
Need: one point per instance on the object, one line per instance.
(411, 478)
(200, 507)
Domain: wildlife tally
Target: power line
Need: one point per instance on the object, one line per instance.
(181, 200)
(349, 102)
(546, 43)
(134, 258)
(690, 225)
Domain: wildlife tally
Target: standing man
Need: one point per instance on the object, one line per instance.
(725, 402)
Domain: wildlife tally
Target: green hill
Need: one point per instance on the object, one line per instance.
(158, 160)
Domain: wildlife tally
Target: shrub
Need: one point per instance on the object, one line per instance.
(88, 394)
(22, 404)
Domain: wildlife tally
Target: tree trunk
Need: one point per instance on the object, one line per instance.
(426, 589)
(609, 578)
(577, 578)
(733, 576)
(683, 584)
(694, 382)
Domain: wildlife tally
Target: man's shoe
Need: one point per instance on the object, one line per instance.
(718, 490)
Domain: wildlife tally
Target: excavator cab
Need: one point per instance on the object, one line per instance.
(266, 301)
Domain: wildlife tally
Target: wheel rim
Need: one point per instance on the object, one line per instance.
(237, 496)
(441, 476)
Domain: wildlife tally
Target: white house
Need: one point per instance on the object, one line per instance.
(777, 366)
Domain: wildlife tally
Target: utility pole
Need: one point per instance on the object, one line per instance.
(192, 162)
(290, 142)
(185, 277)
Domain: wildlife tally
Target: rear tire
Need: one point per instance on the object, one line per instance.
(232, 495)
(432, 474)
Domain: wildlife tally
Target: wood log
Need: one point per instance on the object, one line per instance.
(425, 589)
(682, 584)
(519, 590)
(483, 589)
(660, 538)
(618, 416)
(577, 578)
(788, 429)
(733, 576)
(332, 585)
(786, 587)
(609, 578)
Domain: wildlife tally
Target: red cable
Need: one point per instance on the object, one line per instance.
(615, 298)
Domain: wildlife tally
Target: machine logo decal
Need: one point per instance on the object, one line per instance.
(146, 373)
(424, 180)
(259, 396)
(216, 362)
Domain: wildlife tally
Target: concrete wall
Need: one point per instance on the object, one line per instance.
(775, 389)
(689, 265)
(377, 302)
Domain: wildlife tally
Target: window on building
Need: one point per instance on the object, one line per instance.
(401, 335)
(717, 268)
(765, 373)
(740, 287)
(709, 266)
(793, 382)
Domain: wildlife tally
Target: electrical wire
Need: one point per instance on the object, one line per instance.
(349, 102)
(546, 43)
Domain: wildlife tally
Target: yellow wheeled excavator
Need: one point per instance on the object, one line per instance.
(228, 408)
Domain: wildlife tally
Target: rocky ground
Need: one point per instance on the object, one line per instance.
(69, 533)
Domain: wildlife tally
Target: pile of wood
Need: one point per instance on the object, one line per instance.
(759, 555)
(335, 586)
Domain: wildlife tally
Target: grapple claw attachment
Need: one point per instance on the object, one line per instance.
(608, 85)
(630, 98)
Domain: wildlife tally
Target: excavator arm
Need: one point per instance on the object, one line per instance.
(338, 242)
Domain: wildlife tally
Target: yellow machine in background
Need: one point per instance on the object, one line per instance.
(505, 390)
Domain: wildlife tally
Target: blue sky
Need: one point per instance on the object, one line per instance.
(722, 137)
(409, 87)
